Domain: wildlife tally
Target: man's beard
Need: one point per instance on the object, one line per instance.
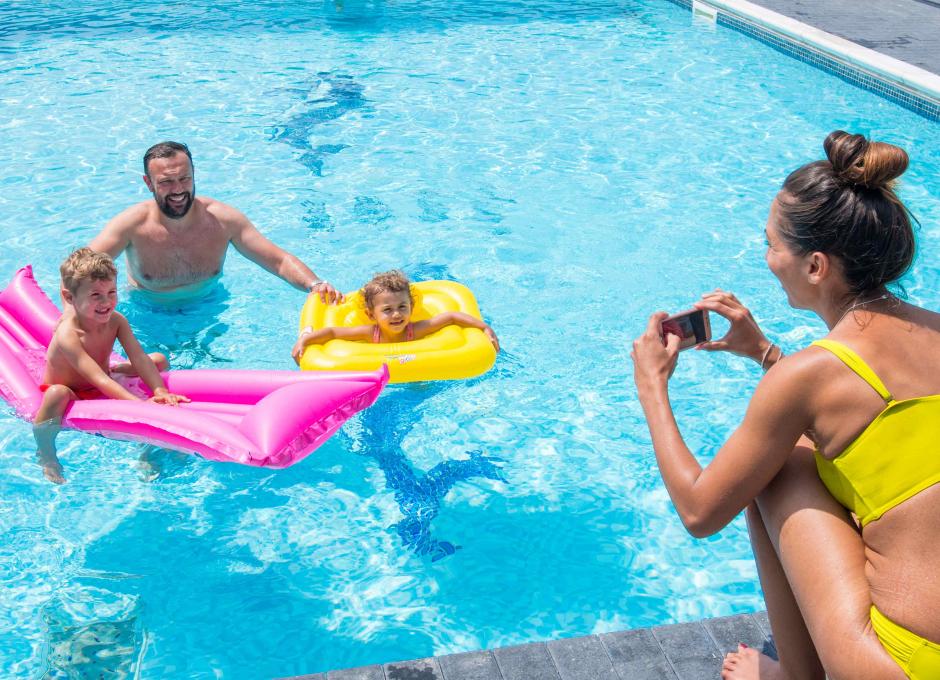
(176, 213)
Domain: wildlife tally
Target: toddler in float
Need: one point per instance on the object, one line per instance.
(389, 302)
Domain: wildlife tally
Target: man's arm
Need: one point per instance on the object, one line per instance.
(116, 235)
(252, 244)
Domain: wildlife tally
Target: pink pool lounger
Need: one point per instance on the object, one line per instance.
(263, 418)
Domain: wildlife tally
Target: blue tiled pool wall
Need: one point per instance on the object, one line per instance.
(919, 104)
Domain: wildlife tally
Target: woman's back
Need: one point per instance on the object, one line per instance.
(902, 347)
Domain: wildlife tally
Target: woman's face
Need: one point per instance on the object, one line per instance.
(789, 268)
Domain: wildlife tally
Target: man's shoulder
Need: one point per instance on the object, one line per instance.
(132, 217)
(218, 209)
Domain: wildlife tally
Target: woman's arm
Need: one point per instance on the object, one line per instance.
(439, 321)
(744, 336)
(707, 499)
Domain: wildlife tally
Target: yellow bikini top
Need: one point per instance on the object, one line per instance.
(896, 457)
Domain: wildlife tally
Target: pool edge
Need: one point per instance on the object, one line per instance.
(909, 86)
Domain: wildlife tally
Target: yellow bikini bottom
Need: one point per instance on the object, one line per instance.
(918, 657)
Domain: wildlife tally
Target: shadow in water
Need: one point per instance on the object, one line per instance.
(328, 97)
(419, 495)
(93, 633)
(184, 333)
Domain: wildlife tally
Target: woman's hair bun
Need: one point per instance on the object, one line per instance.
(857, 161)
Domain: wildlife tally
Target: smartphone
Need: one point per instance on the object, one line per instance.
(692, 327)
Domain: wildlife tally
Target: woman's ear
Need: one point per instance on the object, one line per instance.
(66, 295)
(819, 267)
(369, 313)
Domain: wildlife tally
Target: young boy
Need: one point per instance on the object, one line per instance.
(77, 363)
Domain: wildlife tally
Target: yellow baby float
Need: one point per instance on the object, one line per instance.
(451, 353)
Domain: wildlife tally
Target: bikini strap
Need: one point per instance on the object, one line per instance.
(858, 365)
(410, 332)
(376, 334)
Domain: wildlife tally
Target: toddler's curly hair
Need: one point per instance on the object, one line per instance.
(393, 281)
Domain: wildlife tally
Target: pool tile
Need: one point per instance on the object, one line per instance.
(526, 662)
(690, 650)
(420, 669)
(730, 631)
(582, 658)
(362, 673)
(470, 666)
(636, 655)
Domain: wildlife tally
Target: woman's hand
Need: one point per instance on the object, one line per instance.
(744, 337)
(653, 362)
(164, 396)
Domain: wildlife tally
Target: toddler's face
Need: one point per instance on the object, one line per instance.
(392, 311)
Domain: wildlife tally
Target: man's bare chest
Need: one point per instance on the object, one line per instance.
(157, 254)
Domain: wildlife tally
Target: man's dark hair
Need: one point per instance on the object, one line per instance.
(165, 150)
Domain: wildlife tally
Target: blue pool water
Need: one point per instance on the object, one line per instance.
(578, 165)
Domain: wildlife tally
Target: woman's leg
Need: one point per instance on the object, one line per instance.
(798, 657)
(823, 559)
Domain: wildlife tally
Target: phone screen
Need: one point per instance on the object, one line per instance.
(692, 327)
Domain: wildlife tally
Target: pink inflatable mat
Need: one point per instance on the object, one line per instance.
(264, 418)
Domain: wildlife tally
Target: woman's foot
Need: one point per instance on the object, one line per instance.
(749, 664)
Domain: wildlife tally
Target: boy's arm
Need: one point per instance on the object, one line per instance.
(309, 336)
(143, 364)
(439, 321)
(88, 368)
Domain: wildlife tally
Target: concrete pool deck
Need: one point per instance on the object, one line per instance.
(685, 651)
(907, 30)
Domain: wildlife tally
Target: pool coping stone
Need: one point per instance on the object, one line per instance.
(683, 651)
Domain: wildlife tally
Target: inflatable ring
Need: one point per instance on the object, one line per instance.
(451, 353)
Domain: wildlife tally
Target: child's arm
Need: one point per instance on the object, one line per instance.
(308, 336)
(438, 321)
(74, 352)
(144, 365)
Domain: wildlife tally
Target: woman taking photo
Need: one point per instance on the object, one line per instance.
(837, 461)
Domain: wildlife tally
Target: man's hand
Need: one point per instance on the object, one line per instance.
(328, 294)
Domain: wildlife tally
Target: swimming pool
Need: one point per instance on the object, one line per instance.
(577, 165)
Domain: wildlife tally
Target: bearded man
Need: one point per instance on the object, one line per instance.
(177, 242)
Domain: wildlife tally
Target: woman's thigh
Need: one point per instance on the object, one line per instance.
(823, 556)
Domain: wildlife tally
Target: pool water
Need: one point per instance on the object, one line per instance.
(577, 165)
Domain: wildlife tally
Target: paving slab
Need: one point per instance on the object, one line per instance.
(470, 666)
(582, 658)
(526, 662)
(362, 673)
(685, 651)
(908, 30)
(636, 655)
(690, 650)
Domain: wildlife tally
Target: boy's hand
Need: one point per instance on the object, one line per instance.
(164, 396)
(492, 336)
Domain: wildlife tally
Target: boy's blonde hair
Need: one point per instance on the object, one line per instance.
(86, 265)
(393, 281)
